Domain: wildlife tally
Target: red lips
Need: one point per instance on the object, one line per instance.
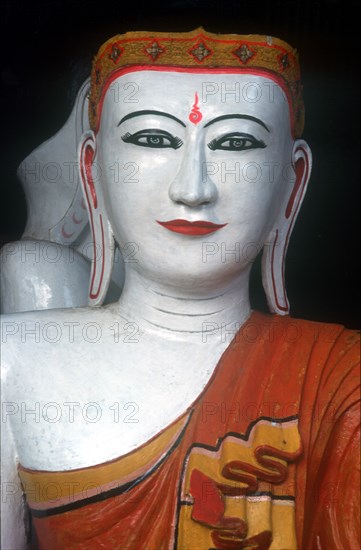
(191, 228)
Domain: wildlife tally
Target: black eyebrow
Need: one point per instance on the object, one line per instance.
(246, 117)
(150, 112)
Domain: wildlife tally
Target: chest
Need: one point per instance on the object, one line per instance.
(191, 477)
(75, 406)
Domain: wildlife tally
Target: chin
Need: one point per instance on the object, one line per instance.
(191, 274)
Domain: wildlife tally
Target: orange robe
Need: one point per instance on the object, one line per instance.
(265, 458)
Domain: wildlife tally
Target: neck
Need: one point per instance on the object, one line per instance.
(175, 313)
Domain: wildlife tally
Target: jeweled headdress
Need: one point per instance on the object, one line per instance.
(198, 49)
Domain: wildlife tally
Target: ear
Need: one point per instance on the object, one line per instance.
(274, 253)
(103, 241)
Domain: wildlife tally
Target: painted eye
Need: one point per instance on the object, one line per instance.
(236, 142)
(157, 139)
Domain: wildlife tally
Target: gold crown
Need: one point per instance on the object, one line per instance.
(202, 50)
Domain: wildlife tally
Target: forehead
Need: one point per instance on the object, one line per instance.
(214, 94)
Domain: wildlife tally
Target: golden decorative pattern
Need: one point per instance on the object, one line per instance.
(198, 49)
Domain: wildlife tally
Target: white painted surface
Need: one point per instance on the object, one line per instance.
(42, 275)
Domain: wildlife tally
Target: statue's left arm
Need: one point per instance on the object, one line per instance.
(13, 508)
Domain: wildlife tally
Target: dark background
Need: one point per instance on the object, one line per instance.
(46, 54)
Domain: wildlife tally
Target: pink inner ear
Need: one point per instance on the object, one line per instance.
(300, 170)
(88, 159)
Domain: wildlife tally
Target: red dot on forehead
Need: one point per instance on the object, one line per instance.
(195, 115)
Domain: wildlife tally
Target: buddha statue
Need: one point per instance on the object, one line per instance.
(177, 417)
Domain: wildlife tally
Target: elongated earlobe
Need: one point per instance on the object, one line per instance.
(103, 241)
(274, 253)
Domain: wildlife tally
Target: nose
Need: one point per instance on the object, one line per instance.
(192, 185)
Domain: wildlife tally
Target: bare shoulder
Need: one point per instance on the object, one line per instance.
(60, 326)
(42, 348)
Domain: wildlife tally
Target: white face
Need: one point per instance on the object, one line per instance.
(230, 169)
